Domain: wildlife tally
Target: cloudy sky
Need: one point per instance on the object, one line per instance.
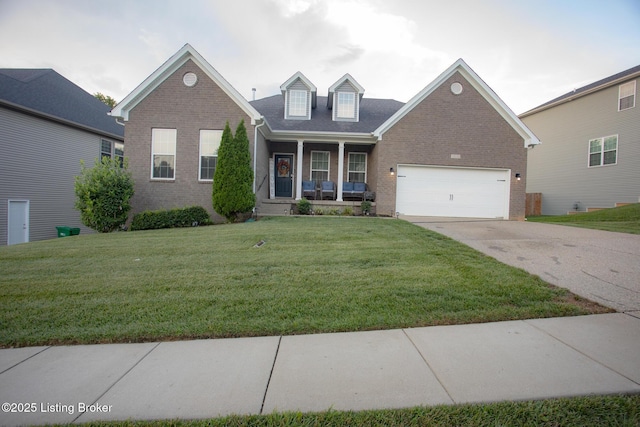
(527, 51)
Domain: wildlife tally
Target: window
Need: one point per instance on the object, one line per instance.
(298, 103)
(346, 105)
(209, 144)
(627, 96)
(357, 169)
(117, 153)
(319, 166)
(163, 153)
(105, 148)
(603, 151)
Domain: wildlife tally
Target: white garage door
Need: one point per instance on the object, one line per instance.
(453, 192)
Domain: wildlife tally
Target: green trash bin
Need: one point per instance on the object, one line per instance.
(75, 231)
(63, 231)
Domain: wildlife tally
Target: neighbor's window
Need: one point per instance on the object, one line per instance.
(105, 148)
(603, 151)
(627, 96)
(163, 153)
(346, 105)
(118, 152)
(209, 144)
(298, 103)
(319, 166)
(357, 169)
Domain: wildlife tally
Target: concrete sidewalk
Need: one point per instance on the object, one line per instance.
(528, 359)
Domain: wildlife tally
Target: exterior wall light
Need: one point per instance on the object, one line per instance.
(391, 171)
(518, 176)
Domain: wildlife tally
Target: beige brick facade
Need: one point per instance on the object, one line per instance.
(174, 105)
(444, 124)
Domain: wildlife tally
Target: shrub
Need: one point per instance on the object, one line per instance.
(103, 193)
(174, 218)
(318, 211)
(232, 193)
(366, 207)
(304, 207)
(348, 211)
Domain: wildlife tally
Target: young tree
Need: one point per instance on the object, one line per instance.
(106, 99)
(233, 178)
(103, 193)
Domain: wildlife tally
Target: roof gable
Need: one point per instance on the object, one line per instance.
(485, 91)
(45, 93)
(187, 52)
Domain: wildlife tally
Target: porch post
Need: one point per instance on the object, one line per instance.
(340, 169)
(299, 170)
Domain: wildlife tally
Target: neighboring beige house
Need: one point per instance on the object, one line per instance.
(455, 149)
(47, 125)
(590, 156)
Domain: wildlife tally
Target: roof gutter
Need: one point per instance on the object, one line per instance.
(50, 117)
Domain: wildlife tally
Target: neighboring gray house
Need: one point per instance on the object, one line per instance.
(590, 151)
(47, 125)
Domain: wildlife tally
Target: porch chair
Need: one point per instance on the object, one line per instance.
(309, 189)
(328, 190)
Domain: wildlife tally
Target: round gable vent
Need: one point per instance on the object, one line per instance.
(189, 79)
(456, 88)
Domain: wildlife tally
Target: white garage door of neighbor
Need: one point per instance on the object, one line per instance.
(453, 192)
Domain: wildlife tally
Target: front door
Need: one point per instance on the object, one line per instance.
(284, 175)
(18, 227)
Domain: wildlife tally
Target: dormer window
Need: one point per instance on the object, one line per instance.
(346, 105)
(344, 99)
(298, 103)
(299, 97)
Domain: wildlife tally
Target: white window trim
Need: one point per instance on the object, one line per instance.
(306, 104)
(353, 112)
(602, 151)
(153, 153)
(311, 169)
(200, 154)
(633, 83)
(366, 164)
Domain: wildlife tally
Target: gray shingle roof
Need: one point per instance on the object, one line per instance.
(46, 92)
(587, 88)
(373, 112)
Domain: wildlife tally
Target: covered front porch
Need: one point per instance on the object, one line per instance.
(299, 169)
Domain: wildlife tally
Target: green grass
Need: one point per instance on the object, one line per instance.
(312, 275)
(625, 219)
(570, 412)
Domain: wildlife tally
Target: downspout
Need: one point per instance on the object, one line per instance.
(255, 154)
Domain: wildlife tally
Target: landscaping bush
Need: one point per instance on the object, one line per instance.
(103, 193)
(304, 207)
(173, 218)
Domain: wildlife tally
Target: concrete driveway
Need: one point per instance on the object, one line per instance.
(598, 265)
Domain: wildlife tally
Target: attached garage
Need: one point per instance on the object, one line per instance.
(424, 190)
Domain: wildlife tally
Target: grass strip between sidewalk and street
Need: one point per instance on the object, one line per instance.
(591, 411)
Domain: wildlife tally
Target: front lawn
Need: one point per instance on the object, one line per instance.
(625, 219)
(312, 274)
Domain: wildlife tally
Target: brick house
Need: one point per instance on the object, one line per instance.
(455, 149)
